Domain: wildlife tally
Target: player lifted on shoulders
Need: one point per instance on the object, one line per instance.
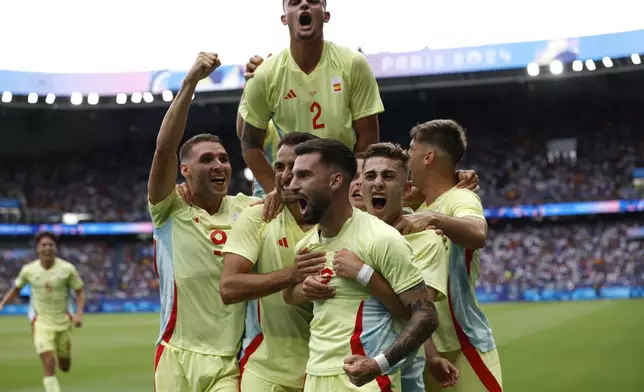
(464, 336)
(353, 341)
(51, 280)
(314, 86)
(200, 336)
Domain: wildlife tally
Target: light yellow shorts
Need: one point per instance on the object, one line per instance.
(480, 372)
(341, 383)
(252, 383)
(186, 371)
(49, 339)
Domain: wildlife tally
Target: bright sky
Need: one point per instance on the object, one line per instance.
(143, 35)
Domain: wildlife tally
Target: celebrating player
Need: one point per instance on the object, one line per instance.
(259, 261)
(51, 280)
(200, 336)
(314, 87)
(353, 325)
(464, 336)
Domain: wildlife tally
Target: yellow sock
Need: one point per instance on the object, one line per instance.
(51, 384)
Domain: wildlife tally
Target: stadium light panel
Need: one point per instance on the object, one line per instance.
(635, 58)
(577, 65)
(590, 65)
(556, 67)
(533, 69)
(6, 96)
(92, 98)
(121, 98)
(607, 62)
(32, 98)
(147, 97)
(248, 174)
(136, 97)
(50, 98)
(76, 99)
(167, 95)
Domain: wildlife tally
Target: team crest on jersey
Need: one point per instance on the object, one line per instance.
(337, 85)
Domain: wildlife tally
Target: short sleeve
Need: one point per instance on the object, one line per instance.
(23, 277)
(430, 256)
(255, 106)
(74, 279)
(163, 210)
(365, 95)
(244, 237)
(392, 257)
(466, 203)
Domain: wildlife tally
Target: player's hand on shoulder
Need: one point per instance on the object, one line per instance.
(468, 179)
(414, 223)
(184, 193)
(443, 371)
(360, 369)
(203, 66)
(252, 65)
(272, 206)
(315, 289)
(346, 264)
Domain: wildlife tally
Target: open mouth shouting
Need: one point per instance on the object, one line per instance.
(356, 195)
(378, 202)
(304, 205)
(218, 179)
(306, 20)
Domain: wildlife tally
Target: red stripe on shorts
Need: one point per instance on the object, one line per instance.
(157, 358)
(252, 347)
(471, 353)
(358, 349)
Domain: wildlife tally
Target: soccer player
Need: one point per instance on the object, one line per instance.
(464, 336)
(385, 184)
(355, 189)
(314, 86)
(259, 262)
(51, 280)
(200, 336)
(353, 342)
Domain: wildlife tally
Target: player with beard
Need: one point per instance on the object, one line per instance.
(314, 86)
(464, 336)
(353, 340)
(200, 336)
(259, 261)
(51, 279)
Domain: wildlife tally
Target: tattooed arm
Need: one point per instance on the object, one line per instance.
(420, 327)
(252, 141)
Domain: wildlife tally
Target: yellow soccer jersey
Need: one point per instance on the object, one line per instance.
(354, 322)
(274, 329)
(430, 256)
(188, 243)
(462, 323)
(341, 90)
(50, 292)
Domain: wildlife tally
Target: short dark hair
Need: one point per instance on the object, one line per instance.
(360, 155)
(332, 152)
(284, 5)
(45, 234)
(388, 150)
(294, 138)
(186, 148)
(448, 135)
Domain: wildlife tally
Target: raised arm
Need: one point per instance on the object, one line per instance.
(365, 103)
(163, 173)
(252, 141)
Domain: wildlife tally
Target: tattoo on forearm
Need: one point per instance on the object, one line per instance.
(421, 326)
(251, 137)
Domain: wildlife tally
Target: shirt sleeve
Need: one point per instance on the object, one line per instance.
(244, 238)
(365, 95)
(392, 257)
(23, 278)
(255, 106)
(431, 258)
(466, 203)
(74, 279)
(164, 209)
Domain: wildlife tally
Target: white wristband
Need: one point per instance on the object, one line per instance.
(364, 276)
(383, 364)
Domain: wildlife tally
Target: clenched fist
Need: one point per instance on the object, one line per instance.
(205, 64)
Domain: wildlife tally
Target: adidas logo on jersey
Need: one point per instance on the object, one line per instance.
(283, 242)
(291, 94)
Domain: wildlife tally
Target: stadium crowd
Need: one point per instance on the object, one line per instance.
(553, 256)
